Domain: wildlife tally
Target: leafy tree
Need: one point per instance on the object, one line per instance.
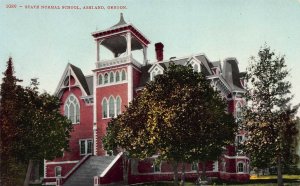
(269, 117)
(32, 127)
(176, 116)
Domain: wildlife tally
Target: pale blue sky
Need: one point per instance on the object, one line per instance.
(42, 42)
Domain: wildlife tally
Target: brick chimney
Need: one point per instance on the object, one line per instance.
(159, 49)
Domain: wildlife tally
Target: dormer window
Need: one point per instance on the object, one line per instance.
(195, 66)
(155, 72)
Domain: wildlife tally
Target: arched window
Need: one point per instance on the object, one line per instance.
(100, 79)
(72, 110)
(105, 78)
(111, 107)
(117, 76)
(111, 77)
(123, 75)
(118, 105)
(58, 171)
(240, 167)
(104, 108)
(196, 67)
(238, 110)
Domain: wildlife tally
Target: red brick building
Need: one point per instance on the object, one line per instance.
(91, 101)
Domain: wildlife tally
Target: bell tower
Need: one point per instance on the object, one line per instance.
(122, 38)
(116, 78)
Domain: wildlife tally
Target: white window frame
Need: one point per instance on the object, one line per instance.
(193, 63)
(104, 108)
(238, 109)
(85, 146)
(75, 102)
(194, 166)
(156, 167)
(113, 105)
(238, 167)
(156, 71)
(56, 170)
(102, 79)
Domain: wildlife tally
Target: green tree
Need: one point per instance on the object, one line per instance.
(269, 118)
(32, 127)
(176, 116)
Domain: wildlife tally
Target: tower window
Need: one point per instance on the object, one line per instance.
(105, 78)
(123, 75)
(117, 76)
(100, 79)
(118, 104)
(111, 107)
(104, 108)
(111, 77)
(72, 110)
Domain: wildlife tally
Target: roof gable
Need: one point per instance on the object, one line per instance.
(80, 81)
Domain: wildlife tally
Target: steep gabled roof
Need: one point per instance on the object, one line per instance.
(81, 78)
(80, 81)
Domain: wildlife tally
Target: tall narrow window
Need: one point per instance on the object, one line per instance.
(194, 166)
(123, 75)
(240, 167)
(72, 109)
(118, 105)
(238, 111)
(105, 78)
(58, 171)
(111, 107)
(104, 108)
(100, 79)
(156, 167)
(111, 77)
(117, 76)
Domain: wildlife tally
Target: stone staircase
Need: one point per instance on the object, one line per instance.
(84, 175)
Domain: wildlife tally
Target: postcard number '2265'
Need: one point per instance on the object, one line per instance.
(11, 6)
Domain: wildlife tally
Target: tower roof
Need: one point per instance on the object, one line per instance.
(121, 22)
(122, 27)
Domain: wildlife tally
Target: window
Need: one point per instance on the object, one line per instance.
(123, 75)
(58, 171)
(155, 72)
(100, 79)
(111, 107)
(111, 77)
(104, 108)
(117, 76)
(86, 146)
(105, 78)
(240, 167)
(238, 110)
(194, 166)
(239, 139)
(118, 104)
(156, 167)
(195, 66)
(72, 110)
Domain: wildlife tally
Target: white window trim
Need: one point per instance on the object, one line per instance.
(114, 80)
(86, 146)
(55, 172)
(153, 68)
(238, 103)
(102, 79)
(114, 106)
(155, 165)
(237, 167)
(192, 62)
(107, 115)
(75, 108)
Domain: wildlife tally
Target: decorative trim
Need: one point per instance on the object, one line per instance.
(130, 83)
(61, 162)
(236, 157)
